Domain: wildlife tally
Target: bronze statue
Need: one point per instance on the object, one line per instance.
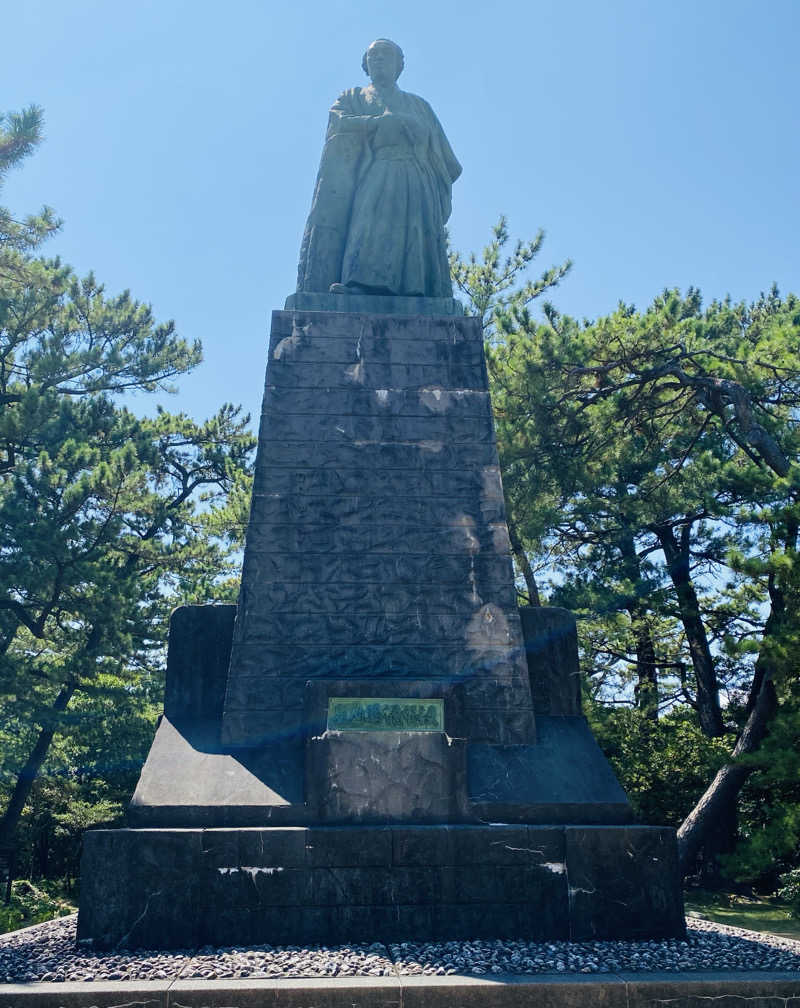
(382, 195)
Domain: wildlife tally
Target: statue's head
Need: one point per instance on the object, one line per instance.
(383, 58)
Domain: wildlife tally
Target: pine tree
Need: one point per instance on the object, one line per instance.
(107, 519)
(650, 464)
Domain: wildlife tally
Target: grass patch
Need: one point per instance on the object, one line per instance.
(766, 914)
(32, 903)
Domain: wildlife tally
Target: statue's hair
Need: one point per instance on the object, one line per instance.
(398, 52)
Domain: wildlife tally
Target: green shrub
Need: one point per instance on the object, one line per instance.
(32, 904)
(790, 890)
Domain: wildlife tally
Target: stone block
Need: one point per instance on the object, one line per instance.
(141, 890)
(384, 777)
(624, 882)
(551, 648)
(370, 329)
(86, 994)
(470, 537)
(353, 400)
(265, 726)
(501, 726)
(500, 920)
(228, 926)
(261, 692)
(564, 778)
(311, 661)
(376, 887)
(488, 626)
(189, 779)
(301, 427)
(509, 845)
(421, 456)
(254, 887)
(372, 348)
(501, 689)
(424, 845)
(220, 849)
(287, 373)
(197, 661)
(380, 569)
(283, 847)
(548, 991)
(405, 599)
(728, 988)
(338, 847)
(298, 480)
(169, 888)
(367, 509)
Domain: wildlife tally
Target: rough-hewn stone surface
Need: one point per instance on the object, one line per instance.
(377, 543)
(179, 888)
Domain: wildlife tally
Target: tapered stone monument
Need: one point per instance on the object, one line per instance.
(376, 744)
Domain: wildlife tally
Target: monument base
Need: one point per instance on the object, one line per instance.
(172, 888)
(191, 779)
(228, 847)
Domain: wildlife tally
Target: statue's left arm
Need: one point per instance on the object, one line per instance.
(445, 164)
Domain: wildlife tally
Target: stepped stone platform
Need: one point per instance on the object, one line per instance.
(376, 743)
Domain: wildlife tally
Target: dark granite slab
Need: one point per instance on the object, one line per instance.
(178, 888)
(563, 778)
(623, 882)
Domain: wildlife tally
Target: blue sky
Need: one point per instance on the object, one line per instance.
(657, 143)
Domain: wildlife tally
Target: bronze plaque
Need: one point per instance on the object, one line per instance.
(385, 714)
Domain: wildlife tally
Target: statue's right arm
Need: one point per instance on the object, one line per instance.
(345, 119)
(342, 122)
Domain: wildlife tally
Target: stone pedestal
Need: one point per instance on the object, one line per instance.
(377, 546)
(185, 888)
(338, 753)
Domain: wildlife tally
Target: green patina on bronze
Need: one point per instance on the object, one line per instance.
(385, 714)
(383, 193)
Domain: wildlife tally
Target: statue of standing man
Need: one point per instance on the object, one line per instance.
(383, 192)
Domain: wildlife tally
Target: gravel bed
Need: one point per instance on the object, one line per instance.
(48, 952)
(290, 961)
(708, 946)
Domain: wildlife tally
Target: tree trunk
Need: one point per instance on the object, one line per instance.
(720, 799)
(524, 564)
(29, 772)
(646, 689)
(723, 792)
(10, 865)
(678, 566)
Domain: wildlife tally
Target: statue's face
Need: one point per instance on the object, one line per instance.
(382, 63)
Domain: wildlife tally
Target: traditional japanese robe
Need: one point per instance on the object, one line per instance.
(382, 198)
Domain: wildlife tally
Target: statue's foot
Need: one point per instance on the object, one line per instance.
(337, 288)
